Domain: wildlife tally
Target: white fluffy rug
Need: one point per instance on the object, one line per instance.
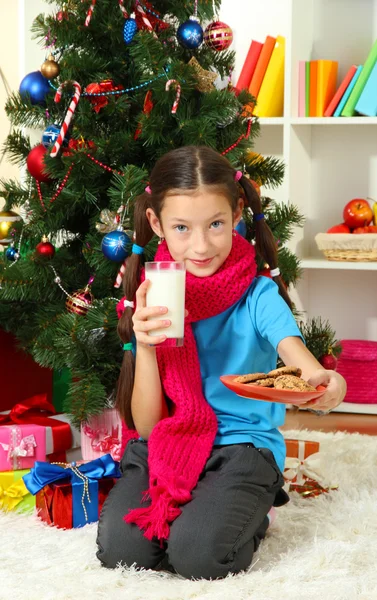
(323, 548)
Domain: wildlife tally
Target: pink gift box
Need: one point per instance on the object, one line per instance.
(23, 444)
(102, 435)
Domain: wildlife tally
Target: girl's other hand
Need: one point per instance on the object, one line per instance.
(335, 392)
(140, 321)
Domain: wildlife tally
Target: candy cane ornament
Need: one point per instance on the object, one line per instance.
(68, 116)
(178, 94)
(123, 10)
(119, 279)
(144, 18)
(89, 13)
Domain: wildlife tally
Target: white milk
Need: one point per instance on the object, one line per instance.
(167, 288)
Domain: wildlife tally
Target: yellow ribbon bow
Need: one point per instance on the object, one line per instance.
(10, 497)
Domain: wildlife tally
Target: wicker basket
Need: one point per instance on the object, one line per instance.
(357, 364)
(361, 247)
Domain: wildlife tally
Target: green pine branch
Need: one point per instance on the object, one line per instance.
(320, 337)
(282, 219)
(266, 170)
(17, 147)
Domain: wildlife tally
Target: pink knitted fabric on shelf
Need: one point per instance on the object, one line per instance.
(180, 445)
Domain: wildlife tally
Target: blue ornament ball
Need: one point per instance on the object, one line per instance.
(190, 34)
(241, 228)
(129, 30)
(50, 135)
(12, 253)
(114, 245)
(35, 86)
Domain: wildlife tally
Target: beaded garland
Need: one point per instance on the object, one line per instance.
(243, 136)
(118, 92)
(58, 191)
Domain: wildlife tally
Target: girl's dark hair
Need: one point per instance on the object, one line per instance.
(183, 170)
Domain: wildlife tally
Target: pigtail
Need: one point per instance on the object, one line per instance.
(265, 241)
(131, 281)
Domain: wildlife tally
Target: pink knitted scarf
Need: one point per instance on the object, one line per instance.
(180, 445)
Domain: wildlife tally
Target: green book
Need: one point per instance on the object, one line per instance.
(307, 88)
(349, 109)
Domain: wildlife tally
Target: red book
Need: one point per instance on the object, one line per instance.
(340, 91)
(249, 66)
(262, 65)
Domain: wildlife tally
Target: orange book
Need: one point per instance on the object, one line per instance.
(327, 74)
(313, 88)
(340, 91)
(262, 64)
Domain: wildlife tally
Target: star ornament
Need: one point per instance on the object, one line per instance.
(205, 79)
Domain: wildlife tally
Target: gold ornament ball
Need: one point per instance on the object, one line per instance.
(7, 219)
(50, 68)
(79, 302)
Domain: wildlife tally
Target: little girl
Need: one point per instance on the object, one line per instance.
(202, 466)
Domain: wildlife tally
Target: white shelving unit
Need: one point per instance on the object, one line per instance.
(328, 161)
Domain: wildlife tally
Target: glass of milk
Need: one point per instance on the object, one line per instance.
(167, 288)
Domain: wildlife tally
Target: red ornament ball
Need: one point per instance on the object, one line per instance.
(36, 165)
(62, 15)
(45, 249)
(328, 361)
(218, 36)
(79, 302)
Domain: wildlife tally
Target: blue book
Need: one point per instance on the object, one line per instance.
(367, 103)
(348, 91)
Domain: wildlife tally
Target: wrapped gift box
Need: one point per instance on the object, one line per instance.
(102, 435)
(297, 465)
(34, 379)
(303, 470)
(71, 495)
(31, 432)
(14, 495)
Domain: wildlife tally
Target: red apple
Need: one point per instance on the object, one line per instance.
(357, 213)
(341, 228)
(366, 229)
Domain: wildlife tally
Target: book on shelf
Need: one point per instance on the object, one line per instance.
(340, 91)
(249, 65)
(313, 68)
(261, 66)
(327, 73)
(270, 100)
(349, 108)
(367, 103)
(307, 88)
(301, 88)
(339, 110)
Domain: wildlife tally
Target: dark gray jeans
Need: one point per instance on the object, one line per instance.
(218, 530)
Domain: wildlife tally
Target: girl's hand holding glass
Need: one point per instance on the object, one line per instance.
(141, 325)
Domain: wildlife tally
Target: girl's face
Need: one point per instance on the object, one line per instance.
(197, 229)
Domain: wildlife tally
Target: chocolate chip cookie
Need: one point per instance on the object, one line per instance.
(296, 371)
(250, 377)
(290, 382)
(268, 382)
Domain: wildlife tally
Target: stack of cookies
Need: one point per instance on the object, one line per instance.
(285, 378)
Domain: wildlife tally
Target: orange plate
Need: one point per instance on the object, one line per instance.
(256, 392)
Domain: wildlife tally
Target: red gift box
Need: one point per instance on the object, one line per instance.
(34, 379)
(54, 502)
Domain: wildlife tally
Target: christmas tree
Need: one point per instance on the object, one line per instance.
(123, 82)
